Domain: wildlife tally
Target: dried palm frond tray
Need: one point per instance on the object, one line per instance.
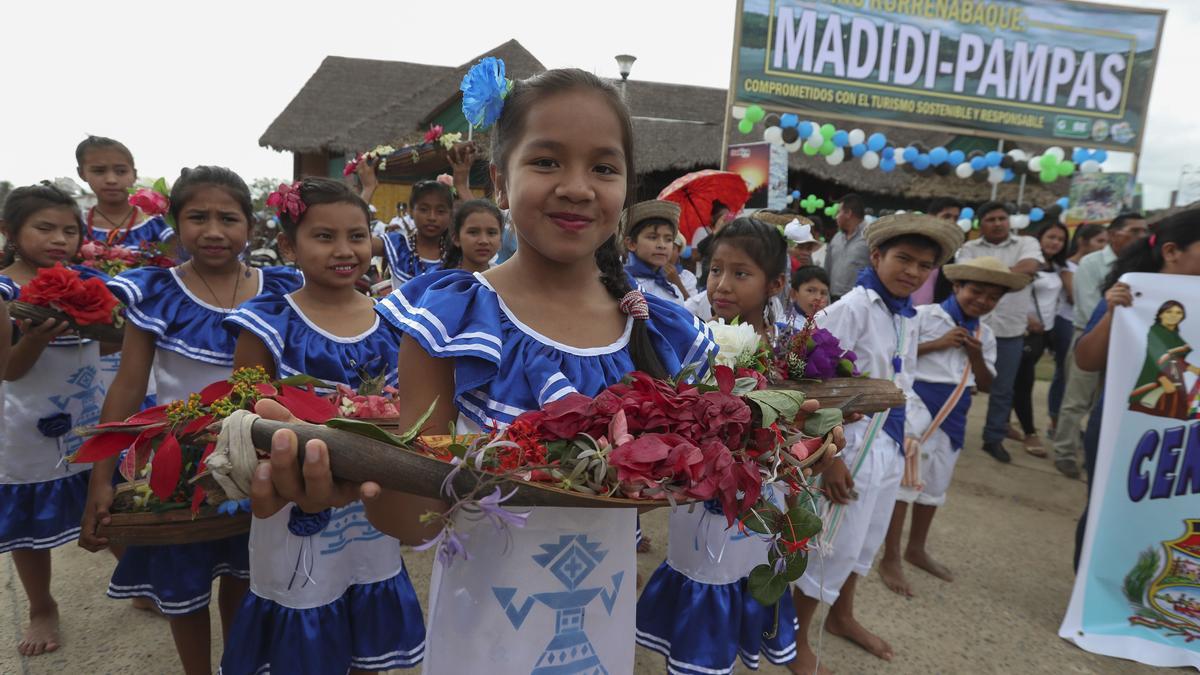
(132, 525)
(863, 395)
(102, 332)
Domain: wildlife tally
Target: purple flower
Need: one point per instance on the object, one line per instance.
(500, 517)
(450, 544)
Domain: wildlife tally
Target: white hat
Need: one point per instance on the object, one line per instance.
(797, 233)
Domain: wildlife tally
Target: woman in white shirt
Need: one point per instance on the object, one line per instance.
(1088, 238)
(1047, 286)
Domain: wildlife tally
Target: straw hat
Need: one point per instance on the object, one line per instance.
(654, 208)
(798, 233)
(946, 233)
(987, 270)
(779, 218)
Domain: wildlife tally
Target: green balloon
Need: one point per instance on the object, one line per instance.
(1048, 175)
(755, 113)
(746, 126)
(827, 148)
(810, 150)
(827, 132)
(1050, 162)
(820, 203)
(1066, 169)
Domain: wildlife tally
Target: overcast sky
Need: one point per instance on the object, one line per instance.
(198, 83)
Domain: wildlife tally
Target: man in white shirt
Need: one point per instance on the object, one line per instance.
(1022, 255)
(1083, 386)
(847, 254)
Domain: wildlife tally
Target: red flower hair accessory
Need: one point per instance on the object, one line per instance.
(286, 199)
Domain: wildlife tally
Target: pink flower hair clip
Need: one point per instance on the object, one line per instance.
(286, 199)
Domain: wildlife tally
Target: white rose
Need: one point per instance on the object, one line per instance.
(734, 341)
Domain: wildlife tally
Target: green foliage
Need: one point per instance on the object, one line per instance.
(776, 403)
(1139, 577)
(822, 421)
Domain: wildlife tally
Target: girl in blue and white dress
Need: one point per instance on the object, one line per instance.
(412, 253)
(329, 592)
(174, 337)
(696, 610)
(51, 385)
(474, 237)
(558, 317)
(108, 168)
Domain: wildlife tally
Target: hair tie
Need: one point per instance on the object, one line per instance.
(1153, 240)
(286, 199)
(634, 304)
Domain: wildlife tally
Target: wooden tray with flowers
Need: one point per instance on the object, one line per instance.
(133, 525)
(102, 332)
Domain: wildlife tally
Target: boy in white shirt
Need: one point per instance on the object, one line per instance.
(956, 352)
(874, 320)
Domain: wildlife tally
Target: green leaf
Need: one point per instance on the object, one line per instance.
(744, 385)
(794, 563)
(303, 381)
(822, 421)
(366, 429)
(800, 524)
(160, 186)
(765, 586)
(762, 518)
(776, 403)
(415, 430)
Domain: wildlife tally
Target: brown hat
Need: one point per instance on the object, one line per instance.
(945, 233)
(655, 208)
(986, 270)
(779, 218)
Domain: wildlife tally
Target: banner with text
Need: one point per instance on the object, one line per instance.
(1051, 70)
(1137, 593)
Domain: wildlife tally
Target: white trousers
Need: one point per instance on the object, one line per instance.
(937, 468)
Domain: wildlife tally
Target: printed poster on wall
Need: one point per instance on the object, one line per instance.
(1137, 593)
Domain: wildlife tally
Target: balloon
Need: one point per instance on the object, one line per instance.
(910, 153)
(755, 113)
(771, 120)
(964, 224)
(876, 141)
(774, 135)
(956, 157)
(921, 162)
(794, 147)
(841, 138)
(1101, 156)
(995, 175)
(943, 169)
(834, 158)
(870, 160)
(1064, 202)
(1036, 214)
(1018, 155)
(789, 120)
(816, 138)
(857, 137)
(831, 211)
(827, 131)
(858, 150)
(887, 165)
(993, 158)
(820, 203)
(805, 129)
(1065, 169)
(898, 157)
(967, 213)
(1055, 152)
(963, 170)
(1050, 163)
(1048, 175)
(978, 163)
(1035, 164)
(1079, 156)
(1009, 175)
(827, 147)
(746, 126)
(1007, 162)
(737, 112)
(1018, 222)
(789, 135)
(938, 156)
(887, 153)
(1020, 166)
(810, 149)
(1090, 166)
(796, 194)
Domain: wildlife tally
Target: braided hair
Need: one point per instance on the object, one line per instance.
(509, 127)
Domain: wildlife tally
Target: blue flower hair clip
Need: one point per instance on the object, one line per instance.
(484, 89)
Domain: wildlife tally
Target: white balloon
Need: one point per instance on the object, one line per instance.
(773, 135)
(816, 140)
(964, 170)
(1090, 166)
(790, 199)
(964, 224)
(995, 175)
(1056, 152)
(1019, 221)
(1017, 154)
(857, 136)
(834, 158)
(900, 212)
(738, 112)
(794, 146)
(1035, 164)
(898, 157)
(870, 159)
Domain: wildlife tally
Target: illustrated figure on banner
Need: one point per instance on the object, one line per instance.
(1161, 389)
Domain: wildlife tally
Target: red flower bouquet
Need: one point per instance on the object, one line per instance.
(61, 293)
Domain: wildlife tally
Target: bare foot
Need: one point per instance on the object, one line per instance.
(892, 571)
(854, 631)
(921, 559)
(42, 635)
(145, 605)
(645, 545)
(805, 663)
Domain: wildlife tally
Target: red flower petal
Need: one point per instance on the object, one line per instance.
(307, 405)
(266, 389)
(215, 391)
(168, 464)
(150, 415)
(197, 425)
(102, 446)
(197, 499)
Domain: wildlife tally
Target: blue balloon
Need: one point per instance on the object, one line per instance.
(841, 138)
(956, 157)
(805, 129)
(859, 150)
(993, 158)
(1080, 156)
(887, 165)
(888, 153)
(789, 120)
(978, 163)
(1100, 155)
(1009, 176)
(910, 154)
(1064, 202)
(938, 156)
(795, 194)
(1036, 214)
(686, 253)
(921, 162)
(876, 141)
(967, 212)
